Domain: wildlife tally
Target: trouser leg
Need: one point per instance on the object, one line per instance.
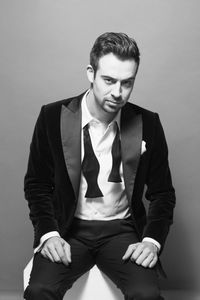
(135, 282)
(50, 281)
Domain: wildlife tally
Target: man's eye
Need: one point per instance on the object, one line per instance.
(127, 83)
(108, 80)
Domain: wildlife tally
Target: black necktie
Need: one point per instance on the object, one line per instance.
(90, 167)
(116, 157)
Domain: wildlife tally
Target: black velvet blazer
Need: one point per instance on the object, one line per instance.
(54, 168)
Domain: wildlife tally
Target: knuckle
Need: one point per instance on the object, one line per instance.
(148, 252)
(62, 256)
(134, 255)
(44, 251)
(67, 245)
(57, 244)
(48, 247)
(151, 255)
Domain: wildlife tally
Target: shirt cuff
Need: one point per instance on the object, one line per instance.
(148, 239)
(44, 238)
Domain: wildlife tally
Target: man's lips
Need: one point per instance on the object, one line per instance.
(114, 102)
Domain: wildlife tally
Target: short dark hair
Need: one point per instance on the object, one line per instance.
(119, 44)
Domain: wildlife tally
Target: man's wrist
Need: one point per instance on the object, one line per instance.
(153, 241)
(44, 238)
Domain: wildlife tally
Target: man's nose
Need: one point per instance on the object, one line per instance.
(116, 90)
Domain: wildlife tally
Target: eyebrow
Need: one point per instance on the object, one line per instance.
(112, 78)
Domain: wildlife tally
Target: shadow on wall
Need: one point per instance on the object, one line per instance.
(178, 259)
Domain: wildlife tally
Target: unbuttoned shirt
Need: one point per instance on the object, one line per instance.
(114, 203)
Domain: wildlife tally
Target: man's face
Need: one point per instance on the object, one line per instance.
(112, 84)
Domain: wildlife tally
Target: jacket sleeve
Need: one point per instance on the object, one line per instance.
(39, 181)
(160, 191)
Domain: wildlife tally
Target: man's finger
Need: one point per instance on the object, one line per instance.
(131, 248)
(142, 256)
(153, 262)
(148, 259)
(63, 250)
(138, 251)
(60, 252)
(67, 251)
(45, 253)
(53, 252)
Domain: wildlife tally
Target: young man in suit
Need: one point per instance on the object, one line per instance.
(90, 158)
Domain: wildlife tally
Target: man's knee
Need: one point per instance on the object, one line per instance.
(37, 291)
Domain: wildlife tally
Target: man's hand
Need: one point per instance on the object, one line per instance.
(144, 254)
(57, 250)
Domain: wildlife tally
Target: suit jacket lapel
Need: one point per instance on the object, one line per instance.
(70, 124)
(131, 141)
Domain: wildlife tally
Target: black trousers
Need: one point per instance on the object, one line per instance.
(94, 242)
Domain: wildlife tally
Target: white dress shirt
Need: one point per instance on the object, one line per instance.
(114, 203)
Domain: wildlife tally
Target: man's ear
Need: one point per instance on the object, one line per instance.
(90, 73)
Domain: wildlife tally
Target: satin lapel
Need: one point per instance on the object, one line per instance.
(131, 141)
(70, 124)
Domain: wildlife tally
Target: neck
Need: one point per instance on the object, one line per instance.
(96, 111)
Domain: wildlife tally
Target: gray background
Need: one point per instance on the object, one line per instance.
(44, 49)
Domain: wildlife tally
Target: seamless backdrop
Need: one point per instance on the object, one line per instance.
(44, 50)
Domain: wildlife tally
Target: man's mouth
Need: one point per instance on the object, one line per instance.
(114, 102)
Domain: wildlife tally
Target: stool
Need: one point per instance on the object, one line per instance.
(92, 285)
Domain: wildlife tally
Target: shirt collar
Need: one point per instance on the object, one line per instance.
(87, 117)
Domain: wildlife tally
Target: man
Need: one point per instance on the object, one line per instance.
(90, 158)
